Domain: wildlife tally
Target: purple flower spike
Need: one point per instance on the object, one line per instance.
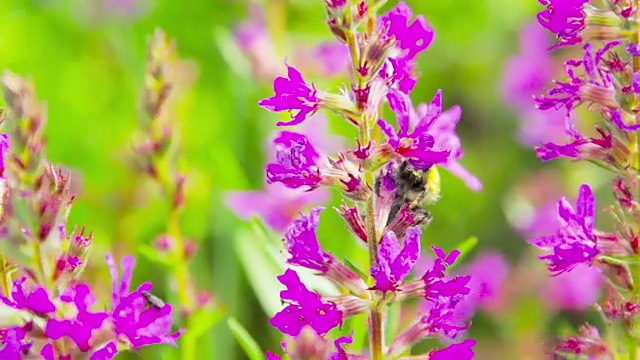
(564, 18)
(418, 145)
(292, 94)
(411, 38)
(305, 308)
(575, 242)
(392, 263)
(302, 243)
(296, 162)
(461, 351)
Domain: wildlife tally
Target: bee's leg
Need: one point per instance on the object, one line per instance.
(395, 209)
(422, 217)
(417, 202)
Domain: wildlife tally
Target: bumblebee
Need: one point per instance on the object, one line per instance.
(415, 189)
(153, 300)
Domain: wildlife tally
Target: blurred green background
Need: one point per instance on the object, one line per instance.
(87, 60)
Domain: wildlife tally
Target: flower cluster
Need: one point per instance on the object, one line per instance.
(47, 308)
(385, 177)
(605, 79)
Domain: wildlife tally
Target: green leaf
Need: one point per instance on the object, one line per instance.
(355, 269)
(260, 268)
(204, 320)
(465, 248)
(262, 230)
(231, 53)
(393, 321)
(246, 341)
(152, 255)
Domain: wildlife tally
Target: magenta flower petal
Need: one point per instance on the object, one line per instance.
(577, 289)
(107, 352)
(394, 264)
(4, 150)
(80, 327)
(340, 354)
(276, 205)
(565, 18)
(130, 314)
(302, 243)
(418, 145)
(575, 242)
(292, 94)
(411, 38)
(461, 351)
(569, 94)
(296, 162)
(36, 300)
(434, 279)
(304, 308)
(14, 343)
(488, 273)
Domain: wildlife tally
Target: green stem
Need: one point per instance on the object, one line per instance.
(376, 338)
(6, 276)
(276, 18)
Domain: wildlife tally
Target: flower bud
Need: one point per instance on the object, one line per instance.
(308, 345)
(603, 25)
(350, 305)
(354, 221)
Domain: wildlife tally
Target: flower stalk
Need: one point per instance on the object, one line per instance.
(376, 326)
(373, 178)
(48, 310)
